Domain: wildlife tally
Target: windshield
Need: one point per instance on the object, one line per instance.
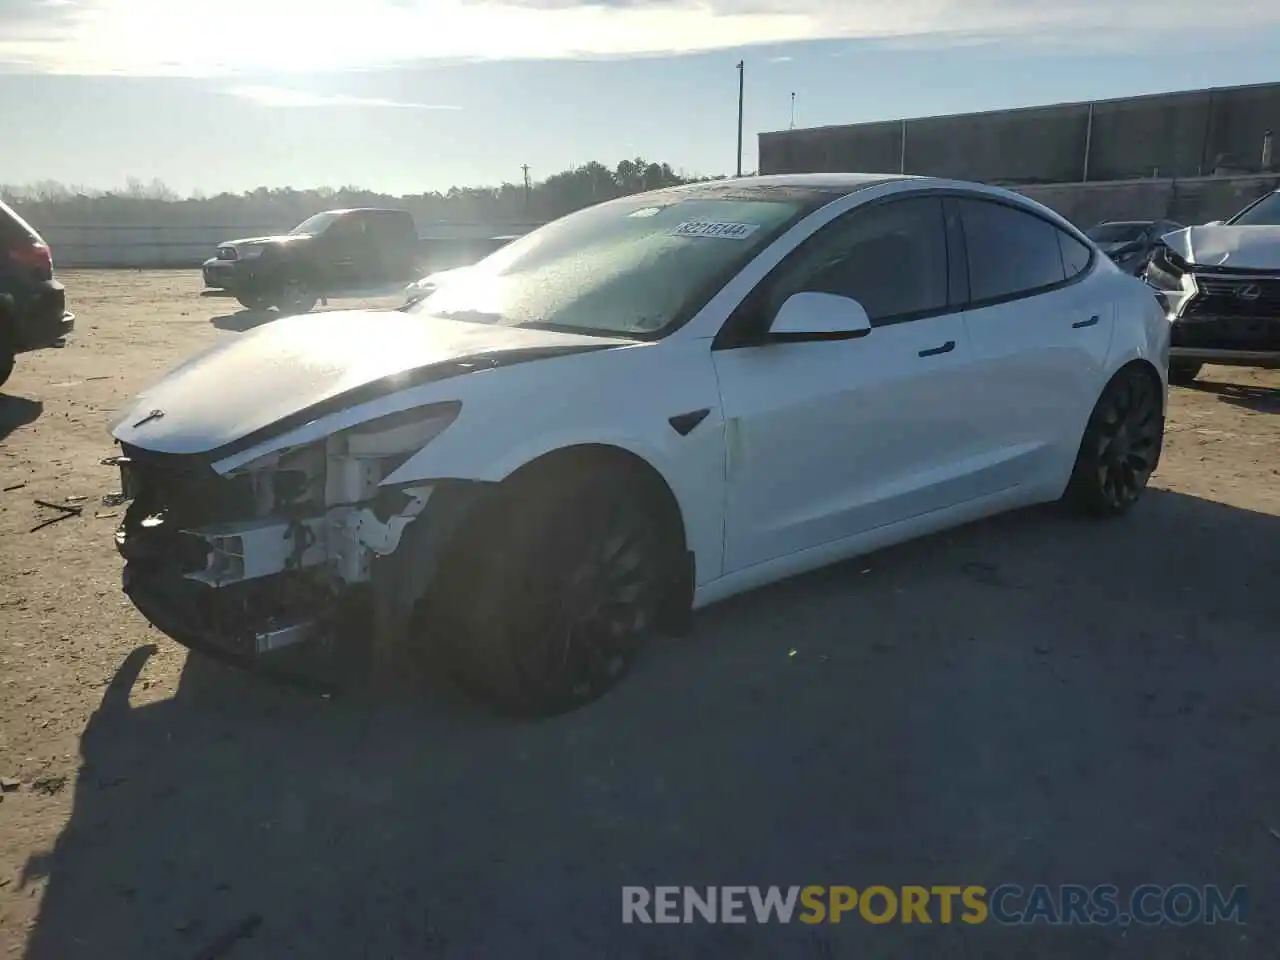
(1116, 232)
(1264, 213)
(315, 224)
(629, 267)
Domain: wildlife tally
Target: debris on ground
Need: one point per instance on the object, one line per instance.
(16, 486)
(106, 516)
(9, 784)
(114, 500)
(49, 785)
(68, 510)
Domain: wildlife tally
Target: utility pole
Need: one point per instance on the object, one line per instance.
(741, 74)
(793, 109)
(524, 168)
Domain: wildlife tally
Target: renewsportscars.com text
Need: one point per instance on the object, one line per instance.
(1067, 904)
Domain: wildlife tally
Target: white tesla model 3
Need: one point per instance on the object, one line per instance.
(634, 411)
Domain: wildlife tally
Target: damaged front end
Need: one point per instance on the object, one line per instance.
(285, 549)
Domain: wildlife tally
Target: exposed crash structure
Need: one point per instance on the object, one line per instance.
(275, 552)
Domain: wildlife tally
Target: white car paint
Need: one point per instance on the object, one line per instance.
(810, 451)
(1222, 245)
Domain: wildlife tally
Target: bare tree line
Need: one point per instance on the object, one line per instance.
(48, 203)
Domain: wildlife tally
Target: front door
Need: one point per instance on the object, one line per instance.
(831, 438)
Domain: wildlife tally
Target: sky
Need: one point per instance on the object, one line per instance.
(404, 96)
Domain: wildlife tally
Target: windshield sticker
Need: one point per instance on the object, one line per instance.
(715, 228)
(646, 212)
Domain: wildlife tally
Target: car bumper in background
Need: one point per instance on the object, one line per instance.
(1269, 359)
(220, 274)
(42, 320)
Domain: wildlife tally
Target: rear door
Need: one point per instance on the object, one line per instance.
(345, 252)
(1040, 333)
(394, 242)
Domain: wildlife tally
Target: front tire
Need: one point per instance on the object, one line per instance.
(7, 359)
(1181, 374)
(550, 602)
(1121, 445)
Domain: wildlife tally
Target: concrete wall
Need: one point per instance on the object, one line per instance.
(188, 245)
(1170, 135)
(1190, 201)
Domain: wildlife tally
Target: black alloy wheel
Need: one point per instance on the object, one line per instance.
(585, 635)
(1121, 445)
(550, 598)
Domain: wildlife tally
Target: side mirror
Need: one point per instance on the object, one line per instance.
(820, 316)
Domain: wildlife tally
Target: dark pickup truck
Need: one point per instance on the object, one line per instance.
(33, 310)
(333, 252)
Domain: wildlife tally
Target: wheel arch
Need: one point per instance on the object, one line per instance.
(607, 457)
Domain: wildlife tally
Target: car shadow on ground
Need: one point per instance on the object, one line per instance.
(17, 412)
(1257, 399)
(244, 320)
(1029, 699)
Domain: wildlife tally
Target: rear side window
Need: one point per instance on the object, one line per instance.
(1075, 255)
(890, 257)
(392, 226)
(1011, 253)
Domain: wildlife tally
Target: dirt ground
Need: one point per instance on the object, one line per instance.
(1033, 699)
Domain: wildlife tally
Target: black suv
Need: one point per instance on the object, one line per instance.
(32, 304)
(332, 252)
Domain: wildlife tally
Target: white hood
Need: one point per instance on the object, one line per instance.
(293, 364)
(1243, 248)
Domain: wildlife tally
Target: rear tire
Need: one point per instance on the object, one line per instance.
(1121, 445)
(549, 598)
(6, 365)
(295, 296)
(252, 300)
(1182, 374)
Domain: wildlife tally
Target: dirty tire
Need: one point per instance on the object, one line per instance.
(295, 296)
(555, 591)
(1121, 445)
(1182, 374)
(253, 301)
(6, 365)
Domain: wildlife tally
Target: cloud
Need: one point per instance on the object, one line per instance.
(179, 37)
(284, 97)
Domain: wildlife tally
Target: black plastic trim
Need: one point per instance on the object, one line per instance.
(684, 423)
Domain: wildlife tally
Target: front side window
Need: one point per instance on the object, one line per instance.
(1011, 253)
(316, 224)
(890, 257)
(635, 266)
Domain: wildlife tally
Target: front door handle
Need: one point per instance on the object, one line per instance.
(1079, 324)
(945, 348)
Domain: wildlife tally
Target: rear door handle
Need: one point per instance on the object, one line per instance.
(1085, 323)
(945, 348)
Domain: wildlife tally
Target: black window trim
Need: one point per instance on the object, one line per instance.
(730, 337)
(1075, 234)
